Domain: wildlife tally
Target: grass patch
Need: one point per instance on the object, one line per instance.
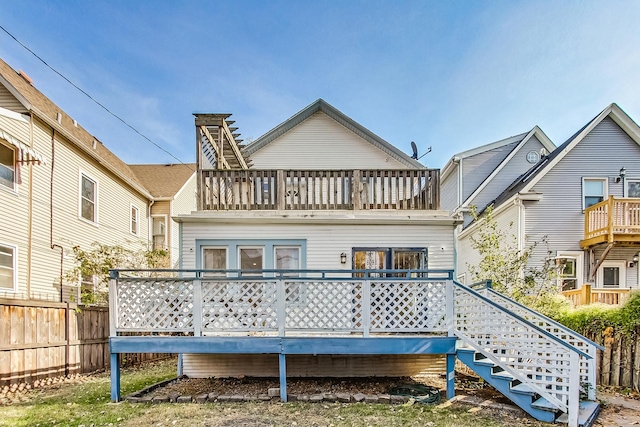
(86, 403)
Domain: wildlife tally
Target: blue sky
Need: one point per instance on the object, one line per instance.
(448, 74)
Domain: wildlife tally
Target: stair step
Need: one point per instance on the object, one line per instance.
(544, 405)
(523, 388)
(498, 372)
(587, 414)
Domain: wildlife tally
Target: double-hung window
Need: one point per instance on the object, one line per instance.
(7, 267)
(569, 269)
(88, 198)
(159, 232)
(594, 190)
(7, 167)
(135, 220)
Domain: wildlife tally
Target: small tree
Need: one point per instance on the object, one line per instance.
(507, 266)
(96, 262)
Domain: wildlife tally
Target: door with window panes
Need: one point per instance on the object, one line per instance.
(389, 259)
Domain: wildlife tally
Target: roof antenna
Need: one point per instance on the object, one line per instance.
(414, 148)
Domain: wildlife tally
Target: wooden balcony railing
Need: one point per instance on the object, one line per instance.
(253, 189)
(587, 295)
(612, 220)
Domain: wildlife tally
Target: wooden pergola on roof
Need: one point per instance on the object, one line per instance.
(217, 144)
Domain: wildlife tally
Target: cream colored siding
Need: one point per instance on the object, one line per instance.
(321, 143)
(507, 221)
(10, 102)
(184, 202)
(114, 200)
(17, 128)
(336, 366)
(325, 242)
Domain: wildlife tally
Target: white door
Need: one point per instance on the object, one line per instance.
(612, 274)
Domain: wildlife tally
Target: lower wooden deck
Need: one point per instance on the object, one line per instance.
(282, 346)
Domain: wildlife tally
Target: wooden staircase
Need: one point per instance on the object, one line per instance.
(543, 367)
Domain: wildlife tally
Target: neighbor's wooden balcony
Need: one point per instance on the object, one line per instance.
(588, 295)
(615, 220)
(255, 189)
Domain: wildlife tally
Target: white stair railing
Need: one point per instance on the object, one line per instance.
(529, 353)
(587, 364)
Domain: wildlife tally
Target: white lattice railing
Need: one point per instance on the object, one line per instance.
(587, 364)
(209, 303)
(525, 350)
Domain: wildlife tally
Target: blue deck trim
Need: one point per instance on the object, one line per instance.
(282, 363)
(451, 374)
(371, 345)
(283, 345)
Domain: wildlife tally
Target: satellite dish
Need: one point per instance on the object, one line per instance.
(414, 147)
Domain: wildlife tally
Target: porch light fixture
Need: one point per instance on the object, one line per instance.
(623, 173)
(343, 258)
(635, 258)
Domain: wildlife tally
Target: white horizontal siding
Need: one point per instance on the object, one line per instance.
(325, 242)
(449, 191)
(320, 142)
(335, 366)
(183, 203)
(16, 128)
(10, 102)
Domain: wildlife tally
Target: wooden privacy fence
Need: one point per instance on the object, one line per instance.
(619, 363)
(42, 339)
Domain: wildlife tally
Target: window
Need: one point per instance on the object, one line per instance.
(632, 188)
(569, 270)
(214, 259)
(134, 220)
(7, 267)
(7, 166)
(533, 156)
(251, 259)
(159, 232)
(88, 199)
(390, 259)
(594, 190)
(287, 258)
(612, 274)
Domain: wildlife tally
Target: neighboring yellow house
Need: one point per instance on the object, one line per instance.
(59, 187)
(173, 188)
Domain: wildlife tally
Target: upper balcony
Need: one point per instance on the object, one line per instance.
(286, 190)
(615, 220)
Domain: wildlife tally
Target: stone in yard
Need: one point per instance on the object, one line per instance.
(132, 399)
(184, 399)
(173, 397)
(250, 398)
(303, 398)
(160, 399)
(384, 398)
(274, 392)
(343, 397)
(264, 397)
(398, 399)
(358, 397)
(329, 397)
(212, 396)
(371, 398)
(146, 399)
(315, 398)
(224, 398)
(201, 398)
(237, 398)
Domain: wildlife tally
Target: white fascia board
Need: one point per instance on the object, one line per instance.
(497, 211)
(490, 146)
(595, 122)
(13, 115)
(15, 93)
(192, 177)
(54, 124)
(546, 142)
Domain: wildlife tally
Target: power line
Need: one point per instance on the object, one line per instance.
(90, 97)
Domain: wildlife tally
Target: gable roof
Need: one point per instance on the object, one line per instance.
(164, 181)
(37, 103)
(324, 107)
(538, 133)
(525, 182)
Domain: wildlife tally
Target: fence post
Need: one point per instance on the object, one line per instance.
(113, 303)
(366, 307)
(574, 389)
(585, 297)
(450, 311)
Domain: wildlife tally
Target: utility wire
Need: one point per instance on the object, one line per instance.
(90, 97)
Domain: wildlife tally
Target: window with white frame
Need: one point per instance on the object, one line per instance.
(7, 166)
(88, 198)
(594, 190)
(159, 235)
(569, 266)
(632, 188)
(135, 220)
(251, 258)
(7, 267)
